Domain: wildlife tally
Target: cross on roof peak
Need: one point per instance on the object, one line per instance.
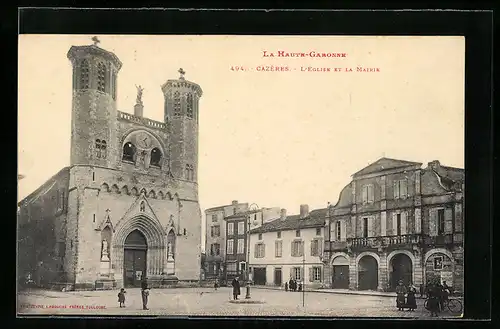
(182, 72)
(96, 40)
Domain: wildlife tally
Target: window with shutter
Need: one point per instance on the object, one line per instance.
(440, 221)
(396, 190)
(343, 231)
(448, 221)
(403, 188)
(433, 230)
(311, 274)
(418, 221)
(394, 224)
(458, 217)
(301, 274)
(403, 222)
(370, 193)
(291, 272)
(371, 231)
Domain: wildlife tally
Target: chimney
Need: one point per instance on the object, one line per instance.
(234, 203)
(304, 211)
(283, 214)
(138, 109)
(433, 164)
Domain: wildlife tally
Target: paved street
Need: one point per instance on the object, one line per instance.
(206, 301)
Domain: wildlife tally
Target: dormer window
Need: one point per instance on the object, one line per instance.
(128, 152)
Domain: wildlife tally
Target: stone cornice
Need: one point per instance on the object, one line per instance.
(78, 52)
(181, 83)
(388, 172)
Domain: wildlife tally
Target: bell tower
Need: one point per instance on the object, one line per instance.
(93, 117)
(182, 114)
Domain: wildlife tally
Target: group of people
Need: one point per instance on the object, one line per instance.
(405, 297)
(144, 295)
(292, 285)
(437, 294)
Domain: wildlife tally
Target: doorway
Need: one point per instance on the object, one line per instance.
(259, 276)
(367, 273)
(134, 262)
(340, 274)
(277, 277)
(401, 269)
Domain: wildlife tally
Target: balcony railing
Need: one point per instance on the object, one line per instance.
(384, 241)
(443, 239)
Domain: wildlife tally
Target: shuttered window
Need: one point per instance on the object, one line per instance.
(278, 249)
(297, 248)
(297, 273)
(404, 222)
(448, 221)
(367, 193)
(315, 273)
(400, 189)
(440, 221)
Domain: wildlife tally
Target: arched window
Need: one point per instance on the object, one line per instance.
(101, 77)
(189, 172)
(189, 105)
(100, 148)
(128, 152)
(84, 75)
(177, 104)
(155, 157)
(103, 149)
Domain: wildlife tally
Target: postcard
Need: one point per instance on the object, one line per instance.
(240, 175)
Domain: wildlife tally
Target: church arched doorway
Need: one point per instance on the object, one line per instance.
(367, 273)
(401, 269)
(134, 264)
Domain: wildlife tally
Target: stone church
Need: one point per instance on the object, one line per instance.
(127, 206)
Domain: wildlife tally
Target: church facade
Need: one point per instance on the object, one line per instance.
(127, 206)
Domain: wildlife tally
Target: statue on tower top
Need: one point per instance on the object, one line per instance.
(96, 40)
(138, 100)
(182, 72)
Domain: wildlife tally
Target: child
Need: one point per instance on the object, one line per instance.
(121, 297)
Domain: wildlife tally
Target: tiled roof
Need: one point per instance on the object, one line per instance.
(294, 222)
(242, 214)
(385, 164)
(454, 174)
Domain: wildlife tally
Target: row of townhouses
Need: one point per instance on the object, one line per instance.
(394, 221)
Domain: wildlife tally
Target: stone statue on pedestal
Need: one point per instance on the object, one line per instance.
(105, 251)
(138, 100)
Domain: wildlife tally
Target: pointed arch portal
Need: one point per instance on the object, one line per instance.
(139, 249)
(135, 251)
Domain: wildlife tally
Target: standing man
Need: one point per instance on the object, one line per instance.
(144, 293)
(236, 288)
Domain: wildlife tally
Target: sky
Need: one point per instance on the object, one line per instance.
(271, 137)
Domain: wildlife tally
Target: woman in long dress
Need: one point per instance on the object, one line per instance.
(411, 301)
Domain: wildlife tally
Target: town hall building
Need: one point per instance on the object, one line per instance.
(127, 206)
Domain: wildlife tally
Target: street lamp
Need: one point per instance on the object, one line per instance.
(255, 207)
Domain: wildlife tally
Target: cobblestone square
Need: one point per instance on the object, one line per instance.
(207, 302)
